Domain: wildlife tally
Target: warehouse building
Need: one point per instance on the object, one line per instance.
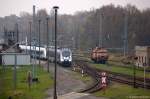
(143, 56)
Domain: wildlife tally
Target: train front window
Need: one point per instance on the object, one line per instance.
(66, 53)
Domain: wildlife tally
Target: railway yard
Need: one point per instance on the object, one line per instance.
(72, 82)
(100, 53)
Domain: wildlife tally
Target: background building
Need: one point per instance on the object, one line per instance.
(143, 56)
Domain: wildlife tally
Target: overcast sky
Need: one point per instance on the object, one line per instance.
(8, 7)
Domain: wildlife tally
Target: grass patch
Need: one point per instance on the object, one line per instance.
(120, 69)
(22, 91)
(121, 91)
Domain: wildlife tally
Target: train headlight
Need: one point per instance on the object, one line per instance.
(70, 59)
(61, 59)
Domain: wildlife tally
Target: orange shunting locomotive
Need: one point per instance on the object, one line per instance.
(99, 55)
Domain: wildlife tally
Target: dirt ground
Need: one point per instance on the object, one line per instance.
(66, 82)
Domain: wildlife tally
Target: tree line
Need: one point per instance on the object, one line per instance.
(107, 26)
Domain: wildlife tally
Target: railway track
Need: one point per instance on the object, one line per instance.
(112, 76)
(91, 72)
(127, 79)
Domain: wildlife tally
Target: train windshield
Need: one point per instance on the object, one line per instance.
(66, 53)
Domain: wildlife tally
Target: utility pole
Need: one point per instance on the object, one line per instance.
(5, 35)
(17, 35)
(34, 61)
(134, 73)
(15, 72)
(47, 49)
(34, 21)
(145, 65)
(39, 42)
(144, 75)
(100, 31)
(78, 39)
(125, 34)
(30, 38)
(55, 75)
(134, 76)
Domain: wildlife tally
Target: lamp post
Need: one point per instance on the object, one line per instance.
(55, 75)
(47, 44)
(39, 41)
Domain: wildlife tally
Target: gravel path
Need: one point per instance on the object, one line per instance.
(66, 82)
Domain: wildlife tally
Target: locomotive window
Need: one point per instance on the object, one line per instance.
(66, 53)
(102, 52)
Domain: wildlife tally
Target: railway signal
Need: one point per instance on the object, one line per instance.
(103, 81)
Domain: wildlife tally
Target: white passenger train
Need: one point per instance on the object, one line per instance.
(64, 55)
